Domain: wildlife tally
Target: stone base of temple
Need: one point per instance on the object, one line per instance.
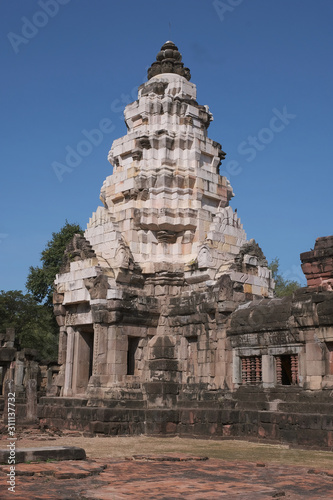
(285, 415)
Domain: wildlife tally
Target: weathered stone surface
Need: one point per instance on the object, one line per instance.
(44, 454)
(317, 264)
(150, 476)
(166, 257)
(164, 303)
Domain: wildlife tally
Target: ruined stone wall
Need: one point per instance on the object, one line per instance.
(317, 264)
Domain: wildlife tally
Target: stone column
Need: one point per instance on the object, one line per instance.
(9, 387)
(117, 354)
(69, 363)
(31, 394)
(19, 374)
(268, 375)
(100, 349)
(315, 362)
(164, 374)
(236, 368)
(62, 346)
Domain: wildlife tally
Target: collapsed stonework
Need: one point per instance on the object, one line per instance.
(165, 308)
(317, 264)
(24, 373)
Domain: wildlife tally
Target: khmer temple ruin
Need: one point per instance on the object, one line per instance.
(167, 314)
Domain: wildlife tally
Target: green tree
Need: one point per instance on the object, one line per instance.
(33, 323)
(40, 279)
(283, 287)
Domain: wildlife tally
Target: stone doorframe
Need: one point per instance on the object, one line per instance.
(79, 359)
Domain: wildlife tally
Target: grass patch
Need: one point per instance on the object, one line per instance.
(118, 447)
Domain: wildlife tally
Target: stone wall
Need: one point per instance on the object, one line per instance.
(286, 415)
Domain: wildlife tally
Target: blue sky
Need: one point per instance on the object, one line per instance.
(251, 60)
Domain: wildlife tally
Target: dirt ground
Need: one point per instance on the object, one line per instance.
(147, 468)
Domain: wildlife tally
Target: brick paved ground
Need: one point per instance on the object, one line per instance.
(165, 478)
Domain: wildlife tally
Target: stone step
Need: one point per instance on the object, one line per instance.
(225, 404)
(129, 403)
(252, 405)
(306, 407)
(68, 402)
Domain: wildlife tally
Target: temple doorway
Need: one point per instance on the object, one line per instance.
(83, 359)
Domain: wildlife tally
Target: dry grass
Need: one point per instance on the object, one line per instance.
(114, 447)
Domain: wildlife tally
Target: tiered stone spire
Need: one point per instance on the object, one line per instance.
(164, 240)
(165, 199)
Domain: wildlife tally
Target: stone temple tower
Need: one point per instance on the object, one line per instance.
(143, 298)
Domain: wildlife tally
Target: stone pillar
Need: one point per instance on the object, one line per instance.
(9, 387)
(69, 363)
(315, 365)
(268, 375)
(62, 346)
(117, 354)
(236, 368)
(100, 349)
(31, 395)
(164, 372)
(19, 374)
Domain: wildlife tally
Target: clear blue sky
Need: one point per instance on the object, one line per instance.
(250, 60)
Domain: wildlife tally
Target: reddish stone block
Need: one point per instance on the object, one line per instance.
(317, 265)
(171, 428)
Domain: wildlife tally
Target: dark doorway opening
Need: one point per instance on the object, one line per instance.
(133, 343)
(287, 369)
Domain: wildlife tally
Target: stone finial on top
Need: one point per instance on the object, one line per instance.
(169, 60)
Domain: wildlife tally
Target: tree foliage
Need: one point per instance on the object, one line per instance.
(283, 287)
(40, 279)
(34, 324)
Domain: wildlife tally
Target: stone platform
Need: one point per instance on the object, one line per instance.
(151, 478)
(43, 454)
(286, 415)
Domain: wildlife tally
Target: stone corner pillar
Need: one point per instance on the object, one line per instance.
(31, 396)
